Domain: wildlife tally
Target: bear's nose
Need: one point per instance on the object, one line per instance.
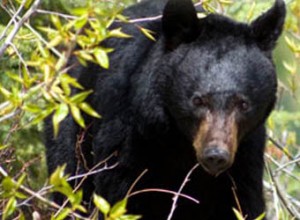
(215, 160)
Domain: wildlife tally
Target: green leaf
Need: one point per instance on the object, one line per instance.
(77, 115)
(130, 217)
(290, 67)
(101, 57)
(32, 108)
(261, 217)
(148, 33)
(80, 97)
(21, 180)
(238, 214)
(63, 214)
(85, 55)
(118, 209)
(2, 147)
(44, 52)
(79, 11)
(48, 30)
(8, 184)
(88, 109)
(42, 115)
(56, 21)
(5, 92)
(15, 77)
(60, 114)
(66, 78)
(251, 11)
(101, 204)
(9, 208)
(61, 62)
(57, 175)
(55, 41)
(118, 33)
(28, 3)
(80, 22)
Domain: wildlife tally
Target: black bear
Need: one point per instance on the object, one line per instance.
(199, 94)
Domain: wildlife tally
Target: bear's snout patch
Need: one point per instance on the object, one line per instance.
(215, 142)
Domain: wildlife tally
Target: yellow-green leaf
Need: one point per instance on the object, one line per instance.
(148, 33)
(238, 215)
(8, 184)
(261, 217)
(57, 175)
(56, 21)
(101, 57)
(80, 22)
(85, 55)
(5, 92)
(118, 209)
(290, 67)
(55, 41)
(66, 78)
(9, 208)
(101, 204)
(251, 11)
(80, 97)
(63, 214)
(77, 115)
(88, 109)
(118, 33)
(60, 114)
(42, 115)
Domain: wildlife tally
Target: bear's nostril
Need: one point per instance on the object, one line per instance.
(215, 160)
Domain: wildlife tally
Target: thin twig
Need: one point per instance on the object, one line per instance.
(284, 169)
(176, 196)
(292, 162)
(282, 195)
(135, 182)
(164, 191)
(66, 16)
(19, 24)
(20, 56)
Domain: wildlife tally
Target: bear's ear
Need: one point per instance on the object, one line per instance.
(179, 23)
(267, 28)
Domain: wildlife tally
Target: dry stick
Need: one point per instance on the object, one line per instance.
(135, 182)
(176, 197)
(282, 167)
(66, 16)
(164, 191)
(234, 191)
(13, 18)
(129, 193)
(287, 172)
(280, 147)
(282, 195)
(18, 25)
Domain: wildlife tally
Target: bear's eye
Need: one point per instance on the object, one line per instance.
(243, 105)
(199, 101)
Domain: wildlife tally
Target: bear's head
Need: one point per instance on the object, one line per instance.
(220, 79)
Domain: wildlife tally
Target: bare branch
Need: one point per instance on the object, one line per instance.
(164, 191)
(19, 24)
(176, 196)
